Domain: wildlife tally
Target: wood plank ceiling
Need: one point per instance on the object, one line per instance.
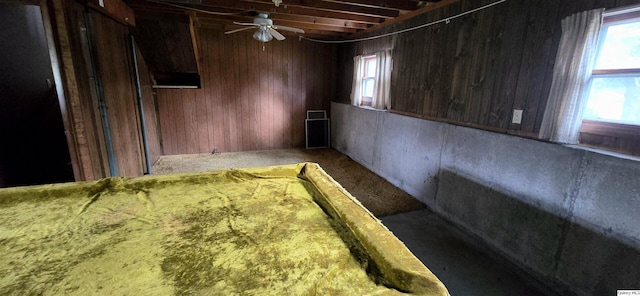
(323, 19)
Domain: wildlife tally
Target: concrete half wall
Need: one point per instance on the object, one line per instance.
(568, 216)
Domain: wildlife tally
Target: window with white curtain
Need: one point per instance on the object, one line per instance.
(595, 92)
(611, 118)
(372, 80)
(614, 95)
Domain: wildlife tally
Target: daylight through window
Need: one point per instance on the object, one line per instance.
(368, 80)
(614, 95)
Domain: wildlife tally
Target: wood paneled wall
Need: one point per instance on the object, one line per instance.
(115, 67)
(251, 99)
(112, 67)
(150, 108)
(475, 70)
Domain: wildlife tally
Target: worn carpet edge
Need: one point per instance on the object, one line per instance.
(403, 270)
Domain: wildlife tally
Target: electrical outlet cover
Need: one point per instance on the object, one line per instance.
(517, 116)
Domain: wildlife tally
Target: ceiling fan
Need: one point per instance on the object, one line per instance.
(266, 30)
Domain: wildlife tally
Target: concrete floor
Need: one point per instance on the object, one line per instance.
(461, 262)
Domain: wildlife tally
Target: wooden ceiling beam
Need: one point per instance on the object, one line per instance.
(147, 11)
(286, 9)
(390, 4)
(168, 15)
(328, 18)
(336, 7)
(304, 26)
(324, 35)
(431, 7)
(318, 20)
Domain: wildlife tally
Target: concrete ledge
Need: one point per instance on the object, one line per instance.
(568, 216)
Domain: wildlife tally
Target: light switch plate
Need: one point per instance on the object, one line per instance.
(517, 116)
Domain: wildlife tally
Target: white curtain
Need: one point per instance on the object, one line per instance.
(571, 74)
(381, 88)
(356, 86)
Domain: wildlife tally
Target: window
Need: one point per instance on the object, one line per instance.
(612, 112)
(368, 80)
(372, 80)
(615, 82)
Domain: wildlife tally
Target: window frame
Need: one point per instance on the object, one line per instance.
(602, 128)
(365, 100)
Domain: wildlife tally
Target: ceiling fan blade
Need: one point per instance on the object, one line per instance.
(246, 24)
(292, 29)
(238, 30)
(276, 34)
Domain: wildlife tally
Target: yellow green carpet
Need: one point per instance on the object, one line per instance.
(265, 231)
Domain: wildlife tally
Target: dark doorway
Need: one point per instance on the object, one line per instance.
(33, 147)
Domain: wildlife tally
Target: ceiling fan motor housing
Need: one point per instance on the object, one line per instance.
(263, 20)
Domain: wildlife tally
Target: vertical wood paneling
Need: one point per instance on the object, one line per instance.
(431, 64)
(208, 93)
(317, 77)
(477, 68)
(250, 99)
(116, 74)
(287, 133)
(226, 60)
(83, 107)
(438, 67)
(269, 94)
(151, 116)
(531, 77)
(263, 98)
(217, 139)
(253, 81)
(509, 60)
(236, 110)
(181, 130)
(450, 44)
(463, 58)
(298, 91)
(191, 121)
(278, 96)
(164, 109)
(241, 62)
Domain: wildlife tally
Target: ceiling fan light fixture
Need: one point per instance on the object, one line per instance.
(262, 36)
(277, 2)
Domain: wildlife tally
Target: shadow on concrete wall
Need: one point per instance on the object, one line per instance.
(564, 254)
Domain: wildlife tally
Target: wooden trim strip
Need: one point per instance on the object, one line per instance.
(115, 9)
(75, 157)
(610, 129)
(469, 124)
(194, 41)
(619, 17)
(69, 96)
(616, 71)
